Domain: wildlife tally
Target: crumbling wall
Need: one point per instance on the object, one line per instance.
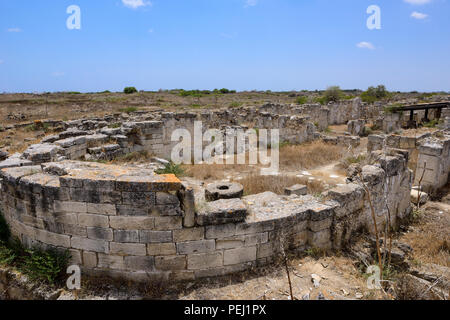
(130, 223)
(433, 164)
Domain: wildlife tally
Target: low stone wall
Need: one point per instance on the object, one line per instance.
(130, 223)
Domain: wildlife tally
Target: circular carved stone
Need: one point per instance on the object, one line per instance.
(223, 190)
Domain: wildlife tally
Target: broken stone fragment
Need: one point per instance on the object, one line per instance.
(415, 195)
(298, 189)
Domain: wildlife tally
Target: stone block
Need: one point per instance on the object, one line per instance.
(89, 259)
(220, 231)
(189, 234)
(204, 260)
(201, 246)
(139, 263)
(100, 233)
(128, 249)
(146, 236)
(168, 223)
(298, 189)
(90, 244)
(131, 223)
(170, 263)
(70, 207)
(126, 236)
(239, 255)
(161, 249)
(101, 208)
(222, 212)
(93, 220)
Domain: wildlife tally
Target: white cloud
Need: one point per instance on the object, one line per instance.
(418, 15)
(1, 61)
(14, 30)
(366, 45)
(251, 3)
(58, 74)
(134, 4)
(417, 2)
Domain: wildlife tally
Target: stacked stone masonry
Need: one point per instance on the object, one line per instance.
(131, 223)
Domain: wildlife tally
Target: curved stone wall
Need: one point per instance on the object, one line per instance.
(128, 222)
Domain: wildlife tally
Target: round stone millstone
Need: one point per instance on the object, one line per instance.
(223, 190)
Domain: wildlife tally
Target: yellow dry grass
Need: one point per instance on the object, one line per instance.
(309, 156)
(430, 237)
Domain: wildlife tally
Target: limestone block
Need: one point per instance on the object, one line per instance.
(126, 236)
(146, 236)
(204, 260)
(298, 189)
(239, 255)
(126, 249)
(161, 249)
(200, 246)
(89, 244)
(170, 263)
(189, 234)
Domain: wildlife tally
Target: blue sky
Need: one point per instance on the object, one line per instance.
(237, 44)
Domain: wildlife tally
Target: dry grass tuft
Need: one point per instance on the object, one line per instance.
(310, 155)
(254, 184)
(429, 237)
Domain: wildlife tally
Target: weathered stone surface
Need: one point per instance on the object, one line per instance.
(204, 260)
(161, 249)
(188, 234)
(223, 190)
(200, 246)
(240, 255)
(222, 212)
(155, 236)
(126, 249)
(298, 189)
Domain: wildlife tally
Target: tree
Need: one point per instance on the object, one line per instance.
(130, 90)
(333, 94)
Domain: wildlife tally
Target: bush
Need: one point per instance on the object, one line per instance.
(130, 90)
(171, 168)
(374, 94)
(301, 100)
(46, 266)
(235, 104)
(333, 94)
(393, 108)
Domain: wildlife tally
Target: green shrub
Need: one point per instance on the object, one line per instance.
(171, 168)
(322, 100)
(130, 90)
(7, 255)
(235, 104)
(393, 108)
(46, 266)
(374, 94)
(301, 100)
(333, 94)
(431, 124)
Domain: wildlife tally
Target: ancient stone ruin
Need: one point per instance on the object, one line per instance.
(129, 222)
